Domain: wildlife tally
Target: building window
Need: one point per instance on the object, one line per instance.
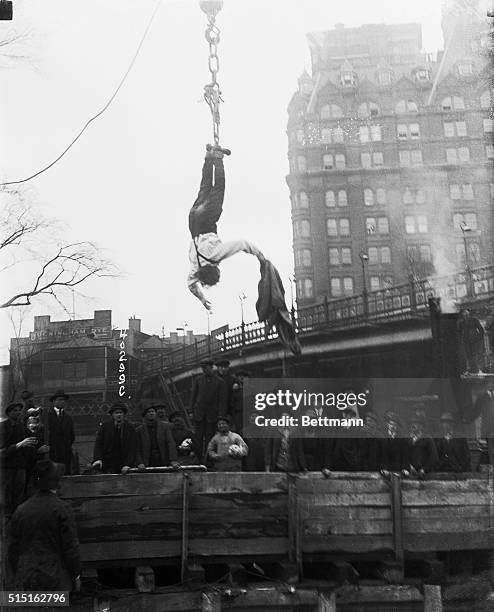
(364, 133)
(402, 131)
(416, 224)
(489, 151)
(326, 135)
(410, 224)
(467, 191)
(305, 288)
(327, 161)
(452, 103)
(75, 370)
(410, 158)
(336, 287)
(348, 78)
(464, 154)
(382, 225)
(422, 224)
(338, 227)
(465, 219)
(485, 99)
(332, 227)
(331, 111)
(370, 133)
(464, 192)
(425, 253)
(406, 106)
(385, 255)
(342, 198)
(454, 192)
(405, 131)
(340, 161)
(301, 229)
(303, 258)
(370, 225)
(348, 285)
(366, 160)
(422, 74)
(420, 196)
(346, 256)
(302, 163)
(330, 199)
(372, 254)
(367, 109)
(488, 125)
(465, 69)
(407, 196)
(384, 77)
(377, 159)
(334, 257)
(374, 283)
(338, 134)
(368, 197)
(380, 195)
(303, 200)
(416, 196)
(455, 128)
(455, 156)
(473, 253)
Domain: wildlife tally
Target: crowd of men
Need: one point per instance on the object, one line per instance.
(36, 450)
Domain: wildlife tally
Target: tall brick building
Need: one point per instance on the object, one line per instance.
(390, 154)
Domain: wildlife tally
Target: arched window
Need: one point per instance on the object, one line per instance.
(485, 99)
(305, 229)
(452, 103)
(342, 199)
(368, 109)
(381, 195)
(406, 106)
(327, 161)
(303, 200)
(330, 199)
(331, 111)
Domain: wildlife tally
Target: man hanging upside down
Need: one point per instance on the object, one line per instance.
(206, 249)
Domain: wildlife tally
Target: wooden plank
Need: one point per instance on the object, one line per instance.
(106, 551)
(326, 603)
(211, 602)
(431, 498)
(433, 601)
(138, 503)
(328, 485)
(114, 484)
(253, 482)
(345, 499)
(350, 544)
(430, 542)
(445, 486)
(339, 527)
(370, 513)
(445, 512)
(438, 526)
(211, 547)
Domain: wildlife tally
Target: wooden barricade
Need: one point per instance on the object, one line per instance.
(152, 519)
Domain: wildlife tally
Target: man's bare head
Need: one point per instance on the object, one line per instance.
(209, 275)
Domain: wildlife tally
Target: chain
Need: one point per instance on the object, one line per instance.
(212, 91)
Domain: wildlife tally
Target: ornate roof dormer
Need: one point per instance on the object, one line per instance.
(384, 74)
(348, 76)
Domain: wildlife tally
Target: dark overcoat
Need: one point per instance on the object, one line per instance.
(166, 444)
(209, 397)
(103, 445)
(61, 436)
(454, 455)
(43, 545)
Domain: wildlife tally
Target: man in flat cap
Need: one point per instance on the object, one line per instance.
(453, 452)
(43, 546)
(59, 429)
(115, 448)
(208, 401)
(155, 443)
(226, 449)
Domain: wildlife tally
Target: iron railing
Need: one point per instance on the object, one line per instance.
(398, 302)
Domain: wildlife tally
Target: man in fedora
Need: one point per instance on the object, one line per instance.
(59, 430)
(43, 546)
(155, 443)
(421, 450)
(453, 452)
(208, 401)
(115, 447)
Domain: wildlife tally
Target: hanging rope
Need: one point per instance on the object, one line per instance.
(212, 91)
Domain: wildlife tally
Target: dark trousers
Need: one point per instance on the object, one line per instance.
(207, 208)
(203, 434)
(14, 484)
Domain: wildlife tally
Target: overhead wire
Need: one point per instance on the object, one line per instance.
(100, 112)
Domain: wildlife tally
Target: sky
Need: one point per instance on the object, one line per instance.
(129, 182)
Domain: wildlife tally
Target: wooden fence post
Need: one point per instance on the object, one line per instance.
(433, 601)
(185, 526)
(326, 603)
(294, 540)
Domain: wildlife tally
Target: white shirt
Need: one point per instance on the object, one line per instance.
(211, 247)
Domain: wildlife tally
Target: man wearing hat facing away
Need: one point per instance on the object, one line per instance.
(155, 443)
(60, 430)
(453, 452)
(208, 401)
(115, 448)
(43, 547)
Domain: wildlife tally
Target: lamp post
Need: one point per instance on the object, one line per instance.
(242, 297)
(464, 230)
(183, 329)
(292, 296)
(363, 259)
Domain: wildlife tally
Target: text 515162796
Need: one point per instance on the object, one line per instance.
(34, 598)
